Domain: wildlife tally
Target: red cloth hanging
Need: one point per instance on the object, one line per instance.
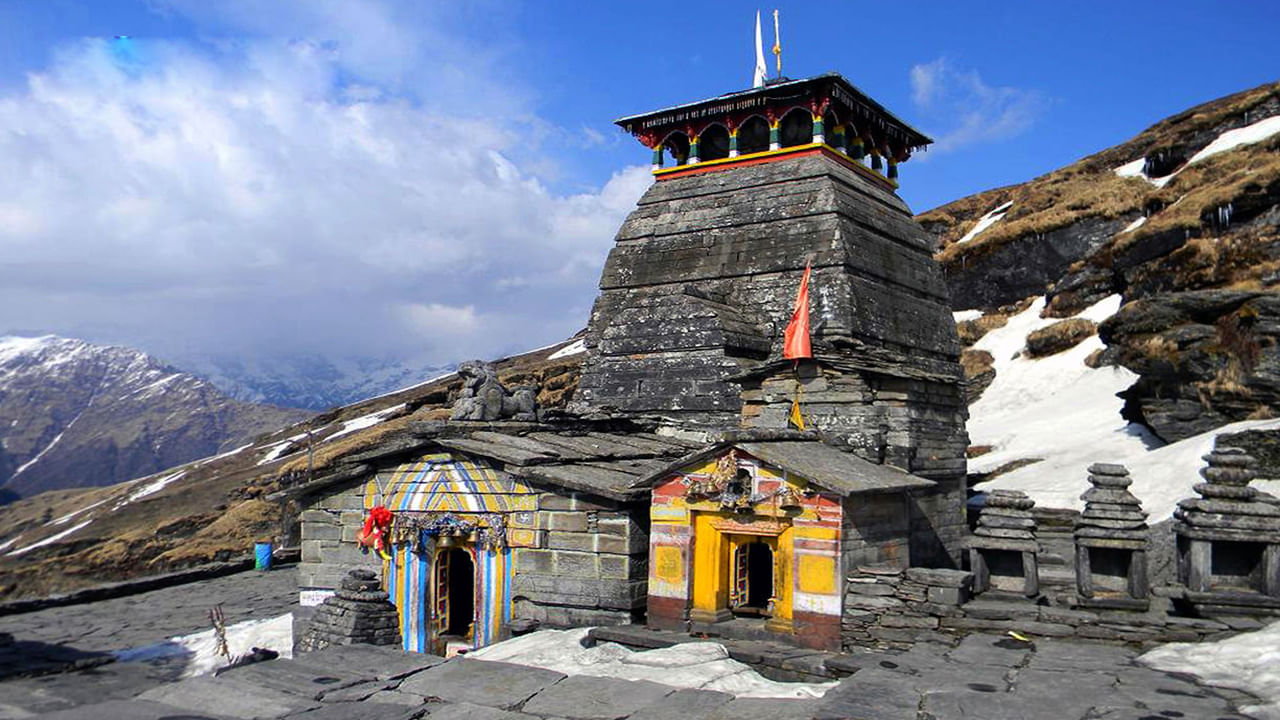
(795, 343)
(376, 528)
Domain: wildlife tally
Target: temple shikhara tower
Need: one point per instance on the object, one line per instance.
(750, 188)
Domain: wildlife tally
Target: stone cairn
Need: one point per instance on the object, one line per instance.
(1113, 519)
(1005, 525)
(358, 613)
(1228, 510)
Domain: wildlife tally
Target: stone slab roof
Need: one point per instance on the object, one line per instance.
(812, 459)
(578, 457)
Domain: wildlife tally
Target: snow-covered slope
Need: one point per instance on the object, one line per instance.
(1061, 415)
(75, 414)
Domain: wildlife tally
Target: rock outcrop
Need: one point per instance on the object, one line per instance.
(1204, 358)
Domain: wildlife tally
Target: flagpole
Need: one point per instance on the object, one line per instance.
(777, 42)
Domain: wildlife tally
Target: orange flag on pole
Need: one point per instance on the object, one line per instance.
(795, 343)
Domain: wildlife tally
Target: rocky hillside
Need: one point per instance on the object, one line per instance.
(217, 507)
(74, 414)
(1181, 222)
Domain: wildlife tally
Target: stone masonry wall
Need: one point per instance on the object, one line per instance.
(329, 550)
(915, 425)
(592, 567)
(890, 607)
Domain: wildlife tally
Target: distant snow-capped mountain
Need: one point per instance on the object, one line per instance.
(309, 381)
(76, 414)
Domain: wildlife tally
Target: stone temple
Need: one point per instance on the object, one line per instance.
(699, 481)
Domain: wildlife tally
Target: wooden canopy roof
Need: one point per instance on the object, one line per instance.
(819, 93)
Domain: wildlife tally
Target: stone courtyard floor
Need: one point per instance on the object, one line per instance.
(985, 676)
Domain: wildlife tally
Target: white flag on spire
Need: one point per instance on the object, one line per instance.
(761, 69)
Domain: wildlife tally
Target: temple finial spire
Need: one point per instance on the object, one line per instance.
(757, 80)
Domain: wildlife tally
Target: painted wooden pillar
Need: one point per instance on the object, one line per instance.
(710, 576)
(693, 149)
(838, 131)
(858, 150)
(733, 142)
(818, 136)
(774, 136)
(657, 158)
(876, 163)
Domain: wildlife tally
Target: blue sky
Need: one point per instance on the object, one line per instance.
(430, 181)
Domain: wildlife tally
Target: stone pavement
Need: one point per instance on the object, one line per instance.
(83, 635)
(985, 676)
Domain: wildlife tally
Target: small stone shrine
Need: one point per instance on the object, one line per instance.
(1003, 546)
(1229, 538)
(1111, 540)
(358, 613)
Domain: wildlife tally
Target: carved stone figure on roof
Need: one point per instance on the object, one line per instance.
(484, 397)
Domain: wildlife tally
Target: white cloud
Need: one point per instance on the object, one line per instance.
(964, 110)
(281, 196)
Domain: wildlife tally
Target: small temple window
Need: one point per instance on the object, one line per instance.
(713, 143)
(796, 128)
(1110, 568)
(676, 148)
(753, 136)
(1237, 565)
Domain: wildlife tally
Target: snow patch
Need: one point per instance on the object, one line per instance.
(202, 647)
(573, 348)
(47, 541)
(228, 453)
(1134, 225)
(1132, 169)
(1231, 139)
(40, 454)
(985, 222)
(365, 421)
(963, 315)
(12, 346)
(1249, 662)
(703, 665)
(67, 518)
(150, 488)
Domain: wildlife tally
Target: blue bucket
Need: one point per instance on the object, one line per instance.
(262, 556)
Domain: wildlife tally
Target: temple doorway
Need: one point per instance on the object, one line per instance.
(455, 586)
(753, 579)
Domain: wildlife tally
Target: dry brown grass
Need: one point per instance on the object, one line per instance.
(1059, 336)
(1208, 185)
(1054, 202)
(1089, 188)
(971, 331)
(975, 362)
(1159, 348)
